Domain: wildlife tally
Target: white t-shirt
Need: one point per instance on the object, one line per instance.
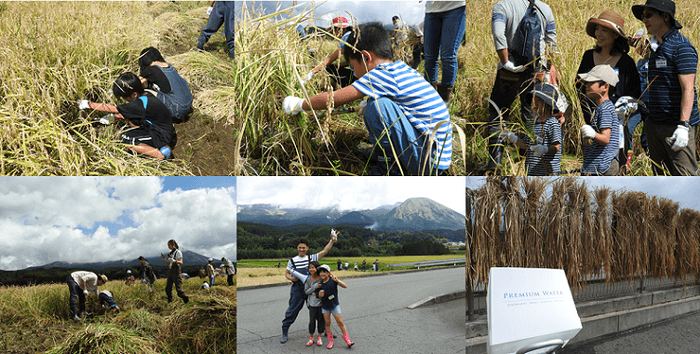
(443, 6)
(90, 279)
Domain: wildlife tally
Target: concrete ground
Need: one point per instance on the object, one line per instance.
(677, 335)
(375, 311)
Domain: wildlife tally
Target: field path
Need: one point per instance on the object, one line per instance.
(374, 311)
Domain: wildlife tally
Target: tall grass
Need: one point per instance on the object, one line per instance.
(36, 317)
(477, 73)
(270, 61)
(56, 53)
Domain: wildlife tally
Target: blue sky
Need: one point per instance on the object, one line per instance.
(97, 219)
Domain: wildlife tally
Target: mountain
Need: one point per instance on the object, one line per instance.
(412, 214)
(423, 214)
(189, 258)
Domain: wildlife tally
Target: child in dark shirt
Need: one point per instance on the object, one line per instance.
(167, 85)
(328, 294)
(153, 133)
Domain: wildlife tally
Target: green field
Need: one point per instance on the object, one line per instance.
(34, 319)
(383, 261)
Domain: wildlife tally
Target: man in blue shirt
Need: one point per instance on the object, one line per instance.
(673, 113)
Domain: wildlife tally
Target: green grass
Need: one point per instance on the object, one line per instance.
(384, 261)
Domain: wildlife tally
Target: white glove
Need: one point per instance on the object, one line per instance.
(83, 104)
(539, 150)
(85, 292)
(680, 138)
(292, 105)
(587, 131)
(307, 77)
(510, 67)
(209, 10)
(361, 110)
(510, 136)
(625, 106)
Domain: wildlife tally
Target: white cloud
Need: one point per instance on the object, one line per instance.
(349, 193)
(84, 219)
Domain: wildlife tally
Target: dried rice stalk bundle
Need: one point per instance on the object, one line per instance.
(470, 199)
(533, 225)
(553, 245)
(687, 251)
(577, 201)
(599, 243)
(513, 223)
(662, 228)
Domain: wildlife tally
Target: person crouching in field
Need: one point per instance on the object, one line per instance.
(407, 121)
(79, 283)
(167, 85)
(107, 297)
(153, 133)
(602, 137)
(146, 273)
(328, 292)
(544, 154)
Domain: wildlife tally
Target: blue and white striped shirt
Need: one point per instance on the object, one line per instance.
(418, 100)
(548, 133)
(675, 56)
(596, 157)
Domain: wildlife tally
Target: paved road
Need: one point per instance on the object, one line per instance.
(374, 311)
(678, 335)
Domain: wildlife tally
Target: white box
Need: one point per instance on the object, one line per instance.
(526, 306)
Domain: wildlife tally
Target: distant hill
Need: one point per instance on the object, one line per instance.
(414, 214)
(189, 257)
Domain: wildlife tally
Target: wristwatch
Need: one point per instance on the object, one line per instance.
(686, 123)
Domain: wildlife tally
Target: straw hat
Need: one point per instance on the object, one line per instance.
(608, 19)
(103, 278)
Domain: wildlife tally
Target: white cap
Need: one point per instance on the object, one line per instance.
(602, 72)
(128, 271)
(326, 267)
(211, 259)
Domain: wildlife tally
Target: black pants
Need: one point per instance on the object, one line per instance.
(316, 316)
(76, 292)
(230, 279)
(506, 89)
(174, 277)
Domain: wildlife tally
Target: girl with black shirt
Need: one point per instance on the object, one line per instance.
(328, 292)
(167, 85)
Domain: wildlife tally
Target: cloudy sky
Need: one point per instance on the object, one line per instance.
(83, 219)
(349, 193)
(684, 190)
(412, 12)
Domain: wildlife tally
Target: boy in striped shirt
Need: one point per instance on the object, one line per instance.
(407, 121)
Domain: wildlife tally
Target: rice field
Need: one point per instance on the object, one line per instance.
(35, 319)
(262, 272)
(271, 59)
(56, 53)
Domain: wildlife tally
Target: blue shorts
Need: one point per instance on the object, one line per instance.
(335, 310)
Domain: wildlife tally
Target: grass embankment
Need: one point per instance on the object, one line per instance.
(271, 56)
(265, 271)
(56, 53)
(34, 319)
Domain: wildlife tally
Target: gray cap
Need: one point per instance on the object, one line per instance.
(602, 72)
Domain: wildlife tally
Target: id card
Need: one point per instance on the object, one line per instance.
(331, 297)
(660, 63)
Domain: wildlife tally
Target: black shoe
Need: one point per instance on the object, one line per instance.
(186, 299)
(200, 47)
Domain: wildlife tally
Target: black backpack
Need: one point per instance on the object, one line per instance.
(526, 46)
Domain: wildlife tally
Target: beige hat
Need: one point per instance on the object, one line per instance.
(608, 19)
(602, 72)
(103, 278)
